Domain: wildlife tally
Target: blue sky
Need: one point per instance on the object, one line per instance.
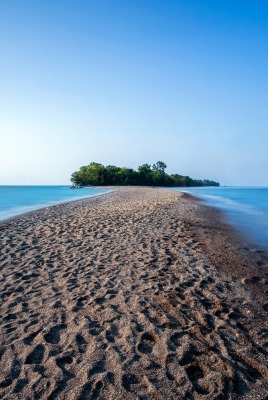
(129, 82)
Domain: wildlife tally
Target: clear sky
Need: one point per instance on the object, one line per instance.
(126, 82)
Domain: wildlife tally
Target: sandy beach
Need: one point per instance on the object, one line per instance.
(137, 294)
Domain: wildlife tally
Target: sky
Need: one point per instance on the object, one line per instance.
(130, 82)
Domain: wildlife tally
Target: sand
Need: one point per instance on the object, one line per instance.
(137, 294)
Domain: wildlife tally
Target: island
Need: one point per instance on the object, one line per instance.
(146, 175)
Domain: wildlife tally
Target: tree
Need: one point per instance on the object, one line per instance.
(159, 175)
(145, 174)
(94, 174)
(160, 167)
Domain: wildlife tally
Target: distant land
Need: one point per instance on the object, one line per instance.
(146, 175)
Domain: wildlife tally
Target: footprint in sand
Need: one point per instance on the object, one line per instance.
(81, 343)
(176, 338)
(53, 336)
(29, 339)
(128, 380)
(196, 374)
(37, 355)
(146, 344)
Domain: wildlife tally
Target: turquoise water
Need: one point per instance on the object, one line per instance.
(15, 200)
(245, 207)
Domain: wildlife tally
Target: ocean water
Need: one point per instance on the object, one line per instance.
(15, 200)
(245, 207)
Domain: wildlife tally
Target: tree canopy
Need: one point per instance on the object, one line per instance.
(146, 175)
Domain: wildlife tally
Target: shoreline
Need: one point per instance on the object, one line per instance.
(227, 246)
(60, 203)
(138, 293)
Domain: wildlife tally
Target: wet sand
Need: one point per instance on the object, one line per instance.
(137, 294)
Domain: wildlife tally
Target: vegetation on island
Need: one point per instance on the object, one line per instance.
(146, 175)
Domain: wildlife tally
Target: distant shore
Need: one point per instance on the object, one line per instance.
(139, 293)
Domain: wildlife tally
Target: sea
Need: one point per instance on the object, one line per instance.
(16, 200)
(246, 208)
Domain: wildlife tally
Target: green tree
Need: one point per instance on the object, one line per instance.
(160, 167)
(145, 174)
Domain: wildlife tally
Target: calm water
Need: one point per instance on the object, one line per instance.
(245, 207)
(15, 200)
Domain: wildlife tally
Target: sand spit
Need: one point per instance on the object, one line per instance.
(116, 298)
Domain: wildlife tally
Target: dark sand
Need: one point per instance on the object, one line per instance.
(137, 294)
